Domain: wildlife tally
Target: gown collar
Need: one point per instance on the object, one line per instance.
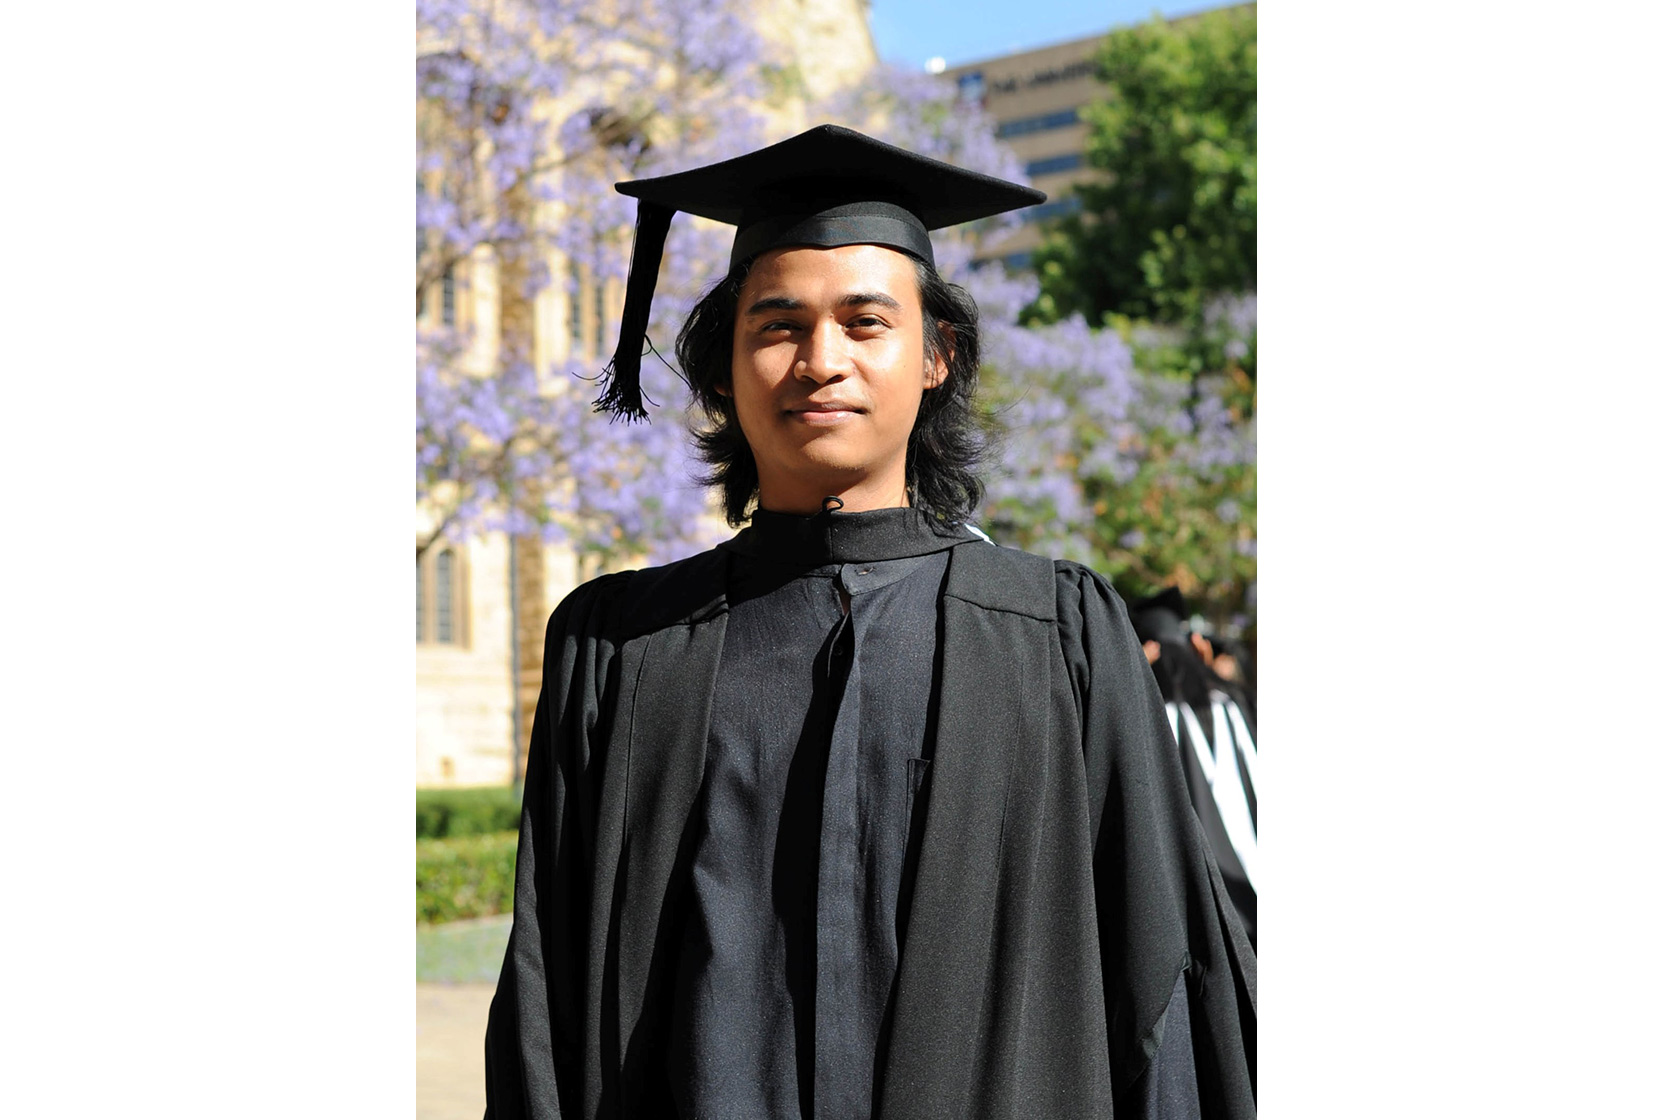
(846, 538)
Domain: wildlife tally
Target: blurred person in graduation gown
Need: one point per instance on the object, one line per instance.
(1212, 718)
(1232, 664)
(858, 814)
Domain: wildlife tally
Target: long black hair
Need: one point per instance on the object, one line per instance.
(947, 441)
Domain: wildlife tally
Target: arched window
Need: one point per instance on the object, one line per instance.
(601, 341)
(439, 598)
(574, 309)
(443, 594)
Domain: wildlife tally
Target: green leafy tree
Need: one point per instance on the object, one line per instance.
(1170, 225)
(1162, 251)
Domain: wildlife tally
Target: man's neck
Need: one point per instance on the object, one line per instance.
(854, 499)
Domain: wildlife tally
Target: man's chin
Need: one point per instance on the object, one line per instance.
(820, 474)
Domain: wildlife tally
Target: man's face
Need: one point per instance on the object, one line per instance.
(827, 373)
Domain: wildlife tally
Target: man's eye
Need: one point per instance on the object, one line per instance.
(868, 321)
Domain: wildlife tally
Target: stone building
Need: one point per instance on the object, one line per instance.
(482, 605)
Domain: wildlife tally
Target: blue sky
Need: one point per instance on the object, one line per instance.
(910, 32)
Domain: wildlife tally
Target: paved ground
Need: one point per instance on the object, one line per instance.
(457, 970)
(449, 1050)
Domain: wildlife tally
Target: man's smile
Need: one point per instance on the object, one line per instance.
(823, 412)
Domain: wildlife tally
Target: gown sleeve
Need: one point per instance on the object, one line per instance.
(533, 1041)
(1178, 972)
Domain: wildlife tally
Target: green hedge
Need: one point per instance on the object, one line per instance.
(466, 812)
(464, 876)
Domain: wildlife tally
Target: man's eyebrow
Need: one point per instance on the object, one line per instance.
(859, 299)
(855, 299)
(775, 303)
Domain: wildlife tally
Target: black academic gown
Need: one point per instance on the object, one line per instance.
(1064, 898)
(816, 751)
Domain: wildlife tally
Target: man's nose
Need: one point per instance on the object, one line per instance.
(825, 354)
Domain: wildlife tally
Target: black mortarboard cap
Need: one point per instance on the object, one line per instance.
(1160, 618)
(826, 187)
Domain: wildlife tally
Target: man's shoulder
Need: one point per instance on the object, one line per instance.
(999, 578)
(1010, 579)
(625, 604)
(1020, 556)
(1002, 577)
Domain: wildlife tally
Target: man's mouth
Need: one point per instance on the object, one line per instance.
(822, 412)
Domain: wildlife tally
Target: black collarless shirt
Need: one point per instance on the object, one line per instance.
(819, 743)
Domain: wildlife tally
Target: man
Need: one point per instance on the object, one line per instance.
(857, 814)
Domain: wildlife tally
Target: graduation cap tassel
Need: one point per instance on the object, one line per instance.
(621, 381)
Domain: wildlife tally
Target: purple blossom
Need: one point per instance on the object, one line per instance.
(518, 449)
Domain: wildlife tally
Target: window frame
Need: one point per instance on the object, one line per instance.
(429, 604)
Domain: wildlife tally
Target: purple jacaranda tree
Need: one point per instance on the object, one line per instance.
(528, 112)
